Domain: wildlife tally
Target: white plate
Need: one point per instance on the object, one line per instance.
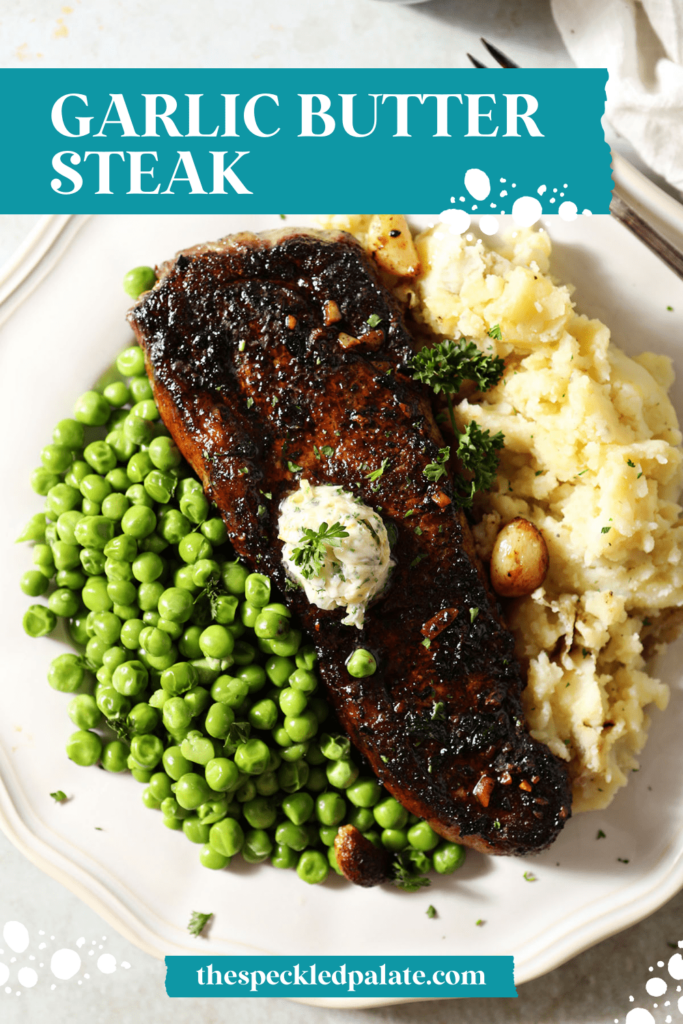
(146, 880)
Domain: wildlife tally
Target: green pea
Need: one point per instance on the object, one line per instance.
(94, 532)
(243, 654)
(298, 807)
(130, 633)
(315, 755)
(115, 506)
(121, 591)
(330, 808)
(230, 691)
(257, 589)
(361, 664)
(196, 747)
(138, 521)
(254, 676)
(95, 648)
(176, 765)
(143, 718)
(179, 678)
(149, 800)
(195, 830)
(252, 757)
(257, 846)
(304, 680)
(131, 361)
(361, 818)
(63, 602)
(93, 562)
(196, 508)
(389, 813)
(148, 595)
(301, 728)
(139, 774)
(271, 625)
(122, 548)
(234, 577)
(291, 835)
(65, 556)
(112, 704)
(39, 620)
(189, 643)
(222, 774)
(448, 857)
(148, 567)
(218, 720)
(175, 604)
(317, 780)
(164, 453)
(84, 712)
(62, 498)
(341, 774)
(100, 456)
(77, 630)
(292, 702)
(146, 749)
(267, 783)
(313, 867)
(210, 858)
(394, 839)
(215, 531)
(279, 669)
(90, 508)
(194, 547)
(130, 678)
(422, 837)
(107, 626)
(332, 860)
(263, 714)
(66, 673)
(226, 837)
(246, 790)
(42, 480)
(69, 433)
(95, 596)
(137, 495)
(306, 657)
(174, 629)
(117, 393)
(173, 526)
(140, 388)
(92, 409)
(34, 583)
(56, 458)
(364, 793)
(115, 756)
(261, 812)
(66, 526)
(84, 747)
(293, 776)
(216, 642)
(44, 559)
(284, 857)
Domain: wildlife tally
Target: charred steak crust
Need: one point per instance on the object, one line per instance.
(252, 380)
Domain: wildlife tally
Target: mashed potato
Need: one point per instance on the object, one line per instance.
(592, 457)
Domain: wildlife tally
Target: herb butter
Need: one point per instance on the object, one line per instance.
(349, 572)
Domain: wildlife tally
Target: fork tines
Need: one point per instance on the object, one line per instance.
(498, 55)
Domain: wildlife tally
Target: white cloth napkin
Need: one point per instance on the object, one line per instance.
(640, 42)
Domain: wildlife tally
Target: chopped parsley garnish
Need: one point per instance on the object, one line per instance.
(377, 473)
(293, 468)
(497, 825)
(529, 876)
(477, 451)
(267, 494)
(670, 309)
(410, 512)
(426, 642)
(473, 614)
(437, 714)
(418, 531)
(431, 911)
(243, 471)
(316, 452)
(59, 796)
(585, 652)
(327, 450)
(582, 472)
(631, 464)
(417, 560)
(623, 860)
(601, 834)
(435, 470)
(605, 529)
(260, 510)
(447, 364)
(495, 333)
(480, 923)
(250, 402)
(374, 320)
(242, 345)
(407, 873)
(309, 555)
(647, 622)
(198, 922)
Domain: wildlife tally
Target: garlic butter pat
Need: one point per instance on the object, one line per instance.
(335, 548)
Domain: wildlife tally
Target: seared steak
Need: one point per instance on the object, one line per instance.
(242, 342)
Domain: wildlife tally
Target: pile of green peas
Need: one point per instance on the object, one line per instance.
(203, 688)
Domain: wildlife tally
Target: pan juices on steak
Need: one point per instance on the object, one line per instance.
(280, 361)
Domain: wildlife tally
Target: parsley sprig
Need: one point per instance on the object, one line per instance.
(407, 872)
(435, 470)
(309, 555)
(198, 922)
(478, 452)
(445, 365)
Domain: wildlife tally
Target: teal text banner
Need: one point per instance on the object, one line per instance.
(352, 977)
(259, 141)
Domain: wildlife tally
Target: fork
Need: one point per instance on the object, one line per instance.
(619, 207)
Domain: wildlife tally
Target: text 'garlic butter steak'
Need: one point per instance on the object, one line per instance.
(266, 372)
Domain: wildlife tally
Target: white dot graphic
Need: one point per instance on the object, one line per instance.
(676, 966)
(477, 183)
(458, 220)
(586, 213)
(4, 973)
(107, 963)
(15, 935)
(80, 942)
(488, 225)
(655, 987)
(568, 211)
(526, 210)
(65, 963)
(542, 189)
(27, 977)
(503, 193)
(639, 1016)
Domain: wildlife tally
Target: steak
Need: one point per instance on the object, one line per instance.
(266, 372)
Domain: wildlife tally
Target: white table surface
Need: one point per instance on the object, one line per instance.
(594, 988)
